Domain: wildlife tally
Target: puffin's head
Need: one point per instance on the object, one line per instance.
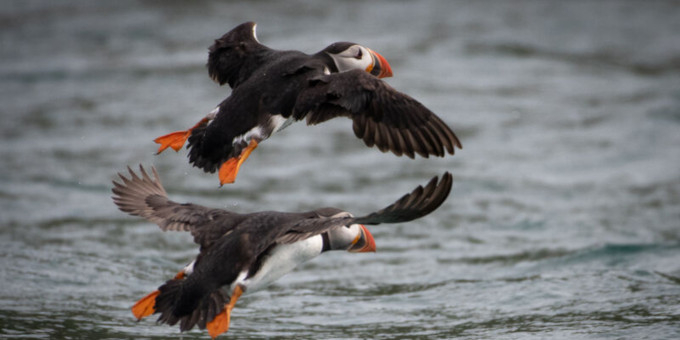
(354, 238)
(349, 56)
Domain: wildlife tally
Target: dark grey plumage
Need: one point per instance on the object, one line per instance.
(381, 115)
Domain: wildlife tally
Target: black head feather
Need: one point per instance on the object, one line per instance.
(228, 55)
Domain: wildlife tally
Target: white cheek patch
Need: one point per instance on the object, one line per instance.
(351, 63)
(355, 228)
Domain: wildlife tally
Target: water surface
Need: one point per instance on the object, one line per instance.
(564, 220)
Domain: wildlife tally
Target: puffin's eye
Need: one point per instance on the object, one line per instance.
(358, 55)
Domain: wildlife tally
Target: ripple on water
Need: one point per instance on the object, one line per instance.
(562, 222)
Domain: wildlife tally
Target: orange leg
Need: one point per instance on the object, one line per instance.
(177, 139)
(229, 169)
(220, 323)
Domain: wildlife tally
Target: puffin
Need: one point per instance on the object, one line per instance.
(273, 88)
(243, 253)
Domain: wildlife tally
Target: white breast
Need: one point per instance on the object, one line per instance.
(282, 260)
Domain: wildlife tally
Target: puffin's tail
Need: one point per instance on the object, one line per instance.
(213, 151)
(206, 151)
(181, 301)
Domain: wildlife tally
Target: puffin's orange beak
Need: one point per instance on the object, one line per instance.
(380, 67)
(363, 243)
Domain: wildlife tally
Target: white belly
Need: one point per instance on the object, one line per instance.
(259, 133)
(283, 260)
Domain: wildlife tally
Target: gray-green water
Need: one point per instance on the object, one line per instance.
(564, 220)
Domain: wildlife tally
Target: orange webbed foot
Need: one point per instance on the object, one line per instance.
(176, 140)
(145, 306)
(220, 323)
(229, 169)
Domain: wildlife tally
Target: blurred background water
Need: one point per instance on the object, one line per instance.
(564, 220)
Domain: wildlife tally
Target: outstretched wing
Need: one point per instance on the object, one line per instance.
(382, 116)
(145, 197)
(420, 202)
(236, 55)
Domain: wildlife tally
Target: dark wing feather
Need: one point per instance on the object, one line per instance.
(382, 116)
(420, 202)
(236, 55)
(145, 197)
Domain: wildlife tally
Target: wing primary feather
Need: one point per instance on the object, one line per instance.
(441, 130)
(448, 132)
(142, 194)
(388, 141)
(435, 139)
(378, 137)
(368, 132)
(426, 137)
(420, 202)
(416, 144)
(398, 136)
